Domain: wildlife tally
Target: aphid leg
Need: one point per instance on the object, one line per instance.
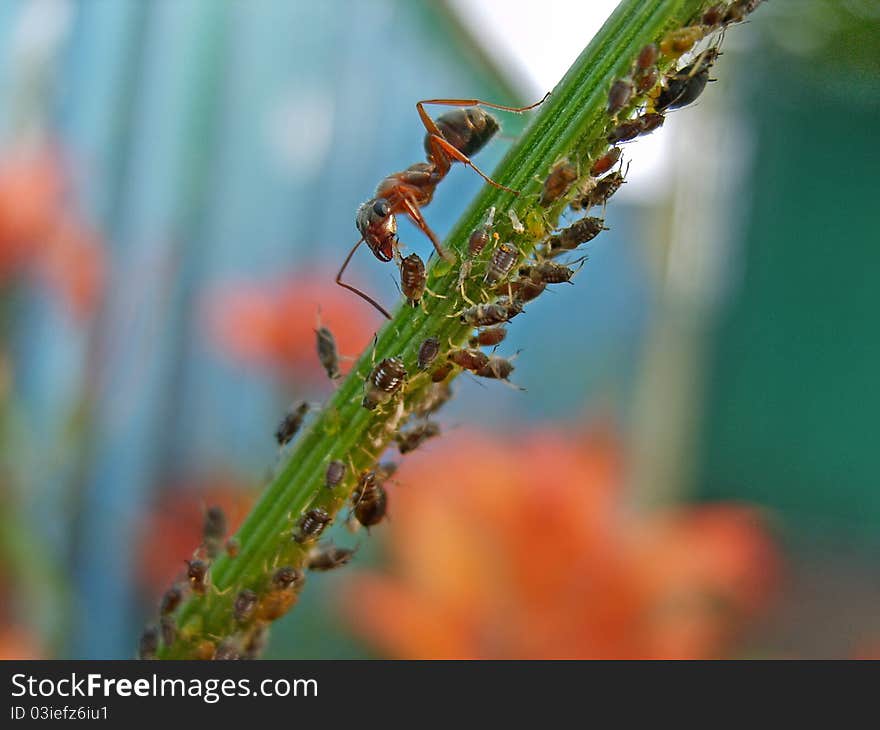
(354, 289)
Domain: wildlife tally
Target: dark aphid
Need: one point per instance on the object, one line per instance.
(441, 372)
(579, 232)
(244, 606)
(468, 359)
(228, 650)
(232, 547)
(291, 423)
(214, 529)
(335, 473)
(168, 630)
(414, 437)
(383, 382)
(647, 80)
(558, 181)
(149, 643)
(428, 351)
(504, 258)
(170, 600)
(605, 188)
(327, 352)
(681, 40)
(647, 57)
(605, 162)
(497, 367)
(413, 278)
(548, 272)
(684, 87)
(312, 524)
(197, 575)
(632, 128)
(713, 16)
(281, 596)
(256, 642)
(329, 557)
(485, 315)
(619, 95)
(480, 237)
(285, 577)
(488, 337)
(370, 500)
(436, 395)
(524, 290)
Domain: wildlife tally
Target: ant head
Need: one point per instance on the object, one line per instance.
(378, 226)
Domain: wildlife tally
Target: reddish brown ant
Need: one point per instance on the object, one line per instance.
(490, 337)
(557, 183)
(452, 137)
(414, 437)
(312, 524)
(383, 382)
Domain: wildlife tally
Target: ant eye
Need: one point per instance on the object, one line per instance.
(381, 208)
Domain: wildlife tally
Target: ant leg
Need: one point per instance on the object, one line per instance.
(432, 127)
(439, 143)
(415, 214)
(351, 288)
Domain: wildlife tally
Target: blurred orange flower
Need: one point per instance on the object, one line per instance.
(18, 643)
(172, 530)
(40, 231)
(272, 324)
(523, 548)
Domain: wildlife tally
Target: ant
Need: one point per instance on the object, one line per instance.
(452, 137)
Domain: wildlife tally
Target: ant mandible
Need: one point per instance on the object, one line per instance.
(452, 137)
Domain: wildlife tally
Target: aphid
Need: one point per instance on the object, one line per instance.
(168, 630)
(149, 643)
(485, 315)
(335, 473)
(632, 128)
(370, 500)
(619, 95)
(605, 162)
(496, 367)
(681, 40)
(558, 181)
(327, 352)
(647, 81)
(256, 642)
(214, 529)
(428, 351)
(684, 87)
(232, 547)
(244, 606)
(413, 278)
(503, 259)
(452, 137)
(605, 188)
(579, 232)
(291, 423)
(281, 596)
(383, 382)
(312, 524)
(436, 395)
(524, 290)
(713, 16)
(480, 237)
(170, 600)
(488, 337)
(227, 650)
(548, 272)
(740, 9)
(441, 372)
(414, 437)
(197, 575)
(329, 557)
(468, 359)
(647, 57)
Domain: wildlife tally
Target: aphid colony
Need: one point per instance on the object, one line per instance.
(636, 106)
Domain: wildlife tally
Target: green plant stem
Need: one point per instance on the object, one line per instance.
(572, 123)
